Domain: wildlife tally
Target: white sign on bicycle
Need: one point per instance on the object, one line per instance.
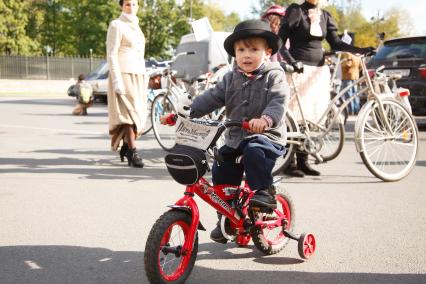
(197, 135)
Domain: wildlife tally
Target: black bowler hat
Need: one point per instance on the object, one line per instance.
(252, 28)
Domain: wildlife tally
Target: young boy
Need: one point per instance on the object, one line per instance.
(255, 90)
(84, 96)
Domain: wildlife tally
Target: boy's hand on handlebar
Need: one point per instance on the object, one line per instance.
(168, 119)
(258, 125)
(163, 119)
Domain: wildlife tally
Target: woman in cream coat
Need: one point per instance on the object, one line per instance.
(127, 101)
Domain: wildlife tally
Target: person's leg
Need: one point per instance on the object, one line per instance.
(225, 172)
(351, 93)
(303, 164)
(292, 169)
(258, 168)
(258, 164)
(133, 157)
(123, 150)
(356, 100)
(228, 171)
(347, 95)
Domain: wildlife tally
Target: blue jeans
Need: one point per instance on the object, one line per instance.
(259, 156)
(353, 107)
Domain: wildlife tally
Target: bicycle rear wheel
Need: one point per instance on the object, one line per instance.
(272, 240)
(283, 161)
(389, 154)
(164, 134)
(333, 141)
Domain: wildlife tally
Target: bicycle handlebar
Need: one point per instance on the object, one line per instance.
(368, 54)
(172, 118)
(182, 54)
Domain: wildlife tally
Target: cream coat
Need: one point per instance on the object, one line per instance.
(125, 50)
(127, 102)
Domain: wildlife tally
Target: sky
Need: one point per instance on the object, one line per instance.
(415, 8)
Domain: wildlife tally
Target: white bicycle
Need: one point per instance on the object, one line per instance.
(386, 134)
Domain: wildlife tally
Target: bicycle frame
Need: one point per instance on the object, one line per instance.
(218, 196)
(372, 96)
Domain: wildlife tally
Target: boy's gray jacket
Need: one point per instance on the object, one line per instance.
(243, 98)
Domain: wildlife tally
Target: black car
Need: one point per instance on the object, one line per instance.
(407, 57)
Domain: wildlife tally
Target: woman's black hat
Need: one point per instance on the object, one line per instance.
(252, 28)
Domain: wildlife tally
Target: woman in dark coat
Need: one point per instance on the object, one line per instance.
(306, 25)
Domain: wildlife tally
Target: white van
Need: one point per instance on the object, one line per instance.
(209, 54)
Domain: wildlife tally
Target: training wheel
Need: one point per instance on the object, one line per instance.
(307, 245)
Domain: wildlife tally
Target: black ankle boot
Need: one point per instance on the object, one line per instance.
(303, 165)
(264, 198)
(123, 151)
(292, 169)
(133, 158)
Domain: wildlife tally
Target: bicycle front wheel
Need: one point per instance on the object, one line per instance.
(164, 134)
(165, 261)
(389, 153)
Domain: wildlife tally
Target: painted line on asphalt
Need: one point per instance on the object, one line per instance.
(32, 264)
(52, 129)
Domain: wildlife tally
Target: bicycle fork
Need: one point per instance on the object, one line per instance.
(188, 205)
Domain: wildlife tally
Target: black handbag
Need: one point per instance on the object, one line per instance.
(186, 164)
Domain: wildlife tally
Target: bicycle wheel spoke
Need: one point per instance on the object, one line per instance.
(399, 127)
(376, 151)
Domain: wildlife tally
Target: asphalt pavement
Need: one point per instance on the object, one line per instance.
(71, 212)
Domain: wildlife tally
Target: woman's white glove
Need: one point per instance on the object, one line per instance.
(184, 103)
(118, 92)
(118, 87)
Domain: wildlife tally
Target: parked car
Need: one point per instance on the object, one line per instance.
(98, 78)
(407, 57)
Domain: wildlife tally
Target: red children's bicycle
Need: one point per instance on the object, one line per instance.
(172, 245)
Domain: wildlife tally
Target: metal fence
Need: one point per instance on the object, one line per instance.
(45, 67)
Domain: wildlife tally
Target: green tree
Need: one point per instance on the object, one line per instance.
(366, 31)
(84, 26)
(74, 27)
(164, 23)
(218, 20)
(35, 13)
(13, 21)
